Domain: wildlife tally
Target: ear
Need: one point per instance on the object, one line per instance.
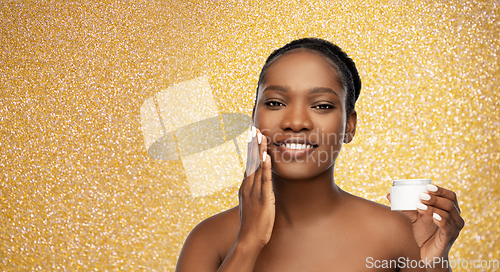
(350, 127)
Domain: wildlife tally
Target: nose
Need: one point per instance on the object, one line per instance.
(297, 118)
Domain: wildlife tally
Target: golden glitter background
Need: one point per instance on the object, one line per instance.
(78, 190)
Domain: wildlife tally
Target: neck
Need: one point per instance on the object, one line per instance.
(305, 201)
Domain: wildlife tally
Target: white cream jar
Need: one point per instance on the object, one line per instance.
(405, 193)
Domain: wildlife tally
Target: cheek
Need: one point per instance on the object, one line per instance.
(263, 119)
(333, 134)
(265, 125)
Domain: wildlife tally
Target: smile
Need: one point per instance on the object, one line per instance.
(296, 146)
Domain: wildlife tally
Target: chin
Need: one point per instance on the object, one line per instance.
(299, 171)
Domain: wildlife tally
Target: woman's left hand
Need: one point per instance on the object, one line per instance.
(437, 222)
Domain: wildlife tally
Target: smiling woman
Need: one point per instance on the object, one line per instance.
(292, 216)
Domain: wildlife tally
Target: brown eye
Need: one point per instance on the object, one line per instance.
(324, 107)
(274, 103)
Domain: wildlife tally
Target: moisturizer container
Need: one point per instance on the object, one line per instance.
(405, 193)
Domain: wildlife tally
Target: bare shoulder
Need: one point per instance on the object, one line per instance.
(378, 213)
(219, 230)
(209, 242)
(393, 227)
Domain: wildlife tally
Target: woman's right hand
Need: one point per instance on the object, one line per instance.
(256, 195)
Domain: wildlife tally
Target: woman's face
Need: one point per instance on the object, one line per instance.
(301, 111)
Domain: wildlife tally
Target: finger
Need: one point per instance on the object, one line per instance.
(246, 185)
(267, 183)
(257, 182)
(266, 167)
(430, 211)
(388, 196)
(442, 220)
(438, 202)
(262, 140)
(445, 204)
(440, 191)
(263, 145)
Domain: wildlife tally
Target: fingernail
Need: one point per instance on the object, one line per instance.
(264, 156)
(254, 131)
(259, 137)
(421, 206)
(425, 196)
(249, 138)
(432, 188)
(435, 215)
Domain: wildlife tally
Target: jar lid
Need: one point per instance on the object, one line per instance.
(403, 182)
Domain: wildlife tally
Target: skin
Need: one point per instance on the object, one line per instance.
(292, 216)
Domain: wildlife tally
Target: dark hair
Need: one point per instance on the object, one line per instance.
(349, 77)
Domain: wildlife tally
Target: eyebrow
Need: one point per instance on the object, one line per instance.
(316, 90)
(320, 90)
(275, 88)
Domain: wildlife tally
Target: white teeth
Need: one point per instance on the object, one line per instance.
(297, 146)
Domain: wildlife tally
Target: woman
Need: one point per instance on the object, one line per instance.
(292, 216)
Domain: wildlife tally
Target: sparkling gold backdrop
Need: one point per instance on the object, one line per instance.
(78, 190)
